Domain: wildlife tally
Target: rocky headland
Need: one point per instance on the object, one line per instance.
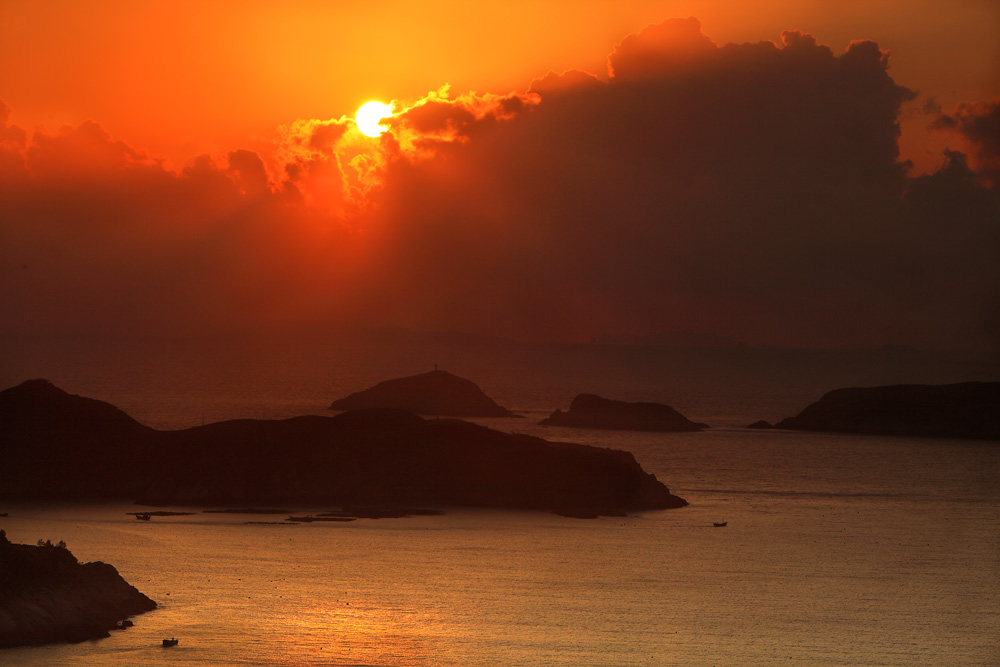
(437, 393)
(47, 596)
(965, 410)
(591, 411)
(359, 457)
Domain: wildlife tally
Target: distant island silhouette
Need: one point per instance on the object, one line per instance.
(47, 596)
(965, 410)
(434, 393)
(360, 457)
(592, 411)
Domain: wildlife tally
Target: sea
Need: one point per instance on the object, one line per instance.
(837, 550)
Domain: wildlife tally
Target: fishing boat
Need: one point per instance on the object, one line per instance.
(720, 524)
(170, 642)
(143, 517)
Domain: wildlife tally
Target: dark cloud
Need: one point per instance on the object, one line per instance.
(11, 136)
(12, 142)
(103, 240)
(438, 120)
(572, 80)
(946, 254)
(438, 117)
(80, 153)
(248, 173)
(325, 135)
(754, 191)
(660, 50)
(751, 190)
(979, 124)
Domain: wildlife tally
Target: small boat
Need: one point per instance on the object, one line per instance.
(170, 642)
(720, 524)
(143, 517)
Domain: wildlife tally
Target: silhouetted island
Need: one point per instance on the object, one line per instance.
(433, 393)
(360, 457)
(966, 410)
(591, 411)
(46, 596)
(60, 445)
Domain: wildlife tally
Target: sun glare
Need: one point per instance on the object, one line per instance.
(368, 117)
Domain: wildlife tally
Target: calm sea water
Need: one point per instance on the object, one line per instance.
(839, 550)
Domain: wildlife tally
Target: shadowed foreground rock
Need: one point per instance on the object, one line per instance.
(433, 393)
(47, 596)
(966, 410)
(361, 457)
(590, 411)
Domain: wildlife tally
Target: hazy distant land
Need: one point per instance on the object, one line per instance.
(435, 393)
(173, 382)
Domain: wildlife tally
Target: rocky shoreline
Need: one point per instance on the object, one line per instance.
(47, 596)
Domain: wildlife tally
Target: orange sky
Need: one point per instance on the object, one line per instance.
(552, 171)
(179, 78)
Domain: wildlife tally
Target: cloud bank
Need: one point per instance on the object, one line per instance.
(748, 190)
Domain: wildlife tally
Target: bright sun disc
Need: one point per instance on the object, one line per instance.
(368, 117)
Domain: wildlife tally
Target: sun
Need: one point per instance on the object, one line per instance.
(368, 117)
